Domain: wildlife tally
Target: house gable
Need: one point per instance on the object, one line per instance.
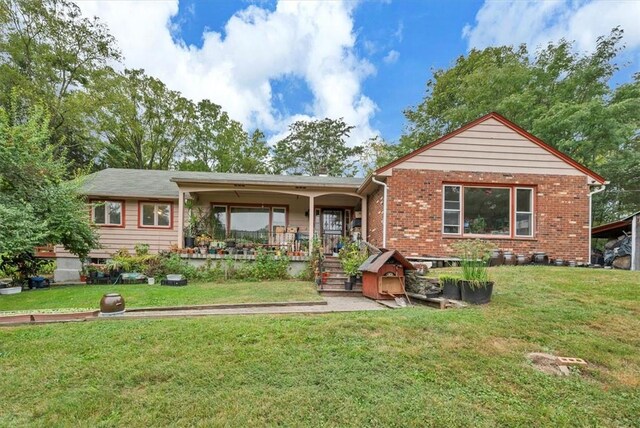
(491, 144)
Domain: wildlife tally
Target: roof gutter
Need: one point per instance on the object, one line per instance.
(384, 211)
(598, 190)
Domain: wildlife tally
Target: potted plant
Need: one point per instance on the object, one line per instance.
(450, 287)
(203, 240)
(11, 287)
(351, 258)
(475, 286)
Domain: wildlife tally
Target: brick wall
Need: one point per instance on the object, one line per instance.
(414, 213)
(374, 217)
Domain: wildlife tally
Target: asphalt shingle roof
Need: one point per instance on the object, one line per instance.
(162, 184)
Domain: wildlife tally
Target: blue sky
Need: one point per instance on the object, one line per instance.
(269, 63)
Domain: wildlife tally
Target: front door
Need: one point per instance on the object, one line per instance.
(332, 228)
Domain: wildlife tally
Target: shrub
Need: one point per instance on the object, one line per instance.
(267, 266)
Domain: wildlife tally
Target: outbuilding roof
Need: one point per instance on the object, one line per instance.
(376, 261)
(144, 183)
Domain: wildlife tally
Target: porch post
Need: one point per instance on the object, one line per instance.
(312, 220)
(363, 212)
(180, 219)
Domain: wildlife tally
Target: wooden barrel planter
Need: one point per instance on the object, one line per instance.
(497, 258)
(510, 258)
(540, 258)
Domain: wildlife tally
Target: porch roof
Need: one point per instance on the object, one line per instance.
(141, 183)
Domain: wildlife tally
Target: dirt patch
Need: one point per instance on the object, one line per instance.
(548, 363)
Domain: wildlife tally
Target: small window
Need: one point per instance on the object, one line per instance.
(451, 218)
(107, 213)
(524, 212)
(155, 215)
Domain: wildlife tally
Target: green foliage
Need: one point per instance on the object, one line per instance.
(448, 278)
(325, 370)
(40, 207)
(317, 255)
(351, 257)
(220, 144)
(563, 97)
(267, 267)
(53, 55)
(316, 147)
(474, 260)
(143, 122)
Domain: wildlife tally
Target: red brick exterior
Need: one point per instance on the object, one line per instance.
(374, 217)
(414, 213)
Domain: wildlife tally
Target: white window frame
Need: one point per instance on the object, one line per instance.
(512, 211)
(459, 210)
(516, 212)
(155, 224)
(105, 205)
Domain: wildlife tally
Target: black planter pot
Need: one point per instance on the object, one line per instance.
(451, 289)
(478, 295)
(348, 285)
(189, 242)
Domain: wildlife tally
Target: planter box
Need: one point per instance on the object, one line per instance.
(478, 295)
(451, 290)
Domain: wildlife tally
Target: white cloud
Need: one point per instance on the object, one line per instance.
(391, 57)
(313, 41)
(537, 23)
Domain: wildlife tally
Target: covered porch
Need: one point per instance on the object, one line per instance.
(280, 217)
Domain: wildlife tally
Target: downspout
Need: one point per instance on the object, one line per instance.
(602, 187)
(384, 211)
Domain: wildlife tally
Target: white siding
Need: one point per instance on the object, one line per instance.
(490, 147)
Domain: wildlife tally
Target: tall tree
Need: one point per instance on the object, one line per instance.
(51, 54)
(37, 205)
(144, 123)
(315, 147)
(561, 96)
(220, 144)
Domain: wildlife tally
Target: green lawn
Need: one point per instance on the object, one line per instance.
(136, 296)
(409, 367)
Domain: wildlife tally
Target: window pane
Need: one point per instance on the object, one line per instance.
(449, 205)
(114, 209)
(147, 215)
(98, 214)
(451, 229)
(452, 193)
(249, 222)
(486, 211)
(279, 217)
(452, 218)
(523, 224)
(164, 215)
(219, 222)
(523, 200)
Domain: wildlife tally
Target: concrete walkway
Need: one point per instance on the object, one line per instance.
(334, 304)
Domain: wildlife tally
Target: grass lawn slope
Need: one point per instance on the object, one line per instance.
(409, 367)
(137, 296)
